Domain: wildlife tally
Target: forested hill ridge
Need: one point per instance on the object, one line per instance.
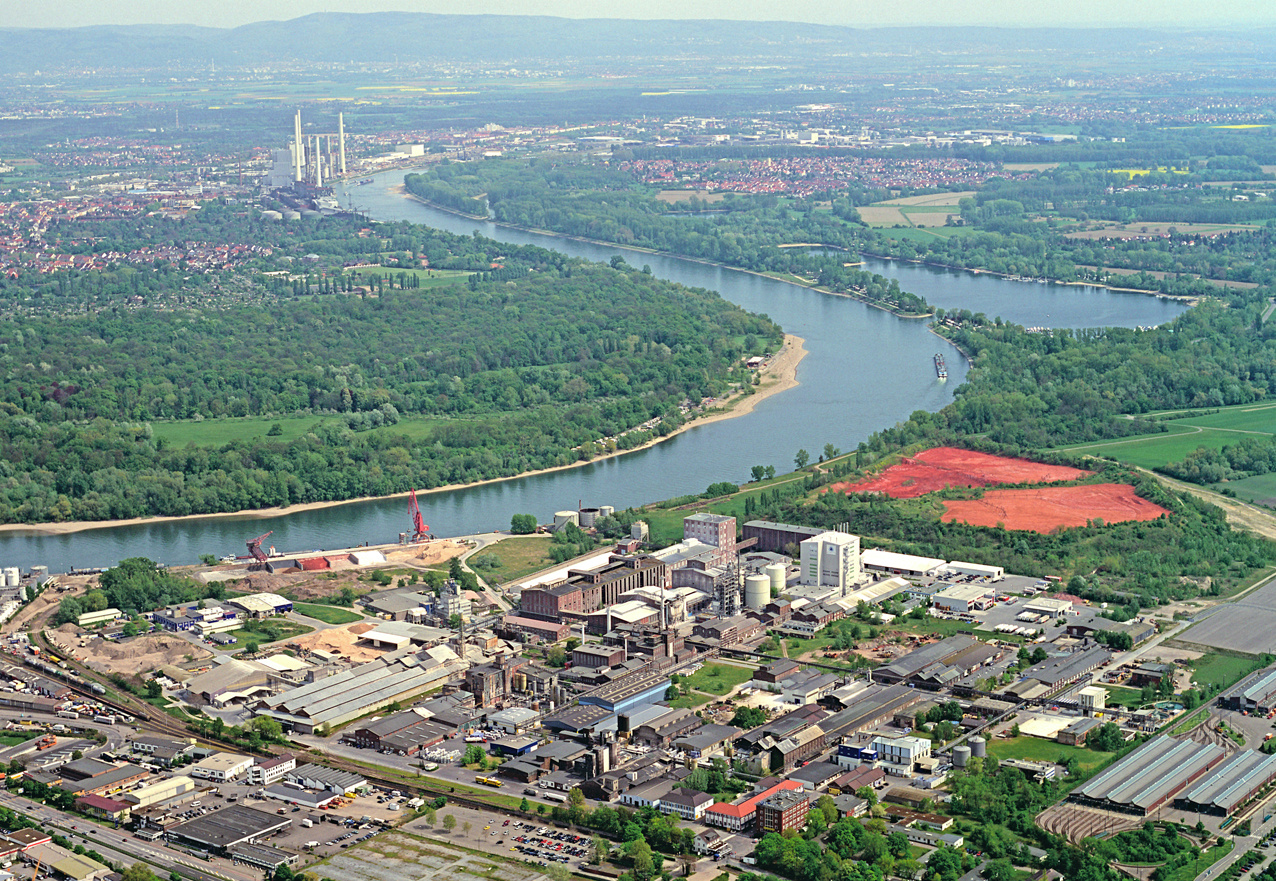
(342, 38)
(518, 359)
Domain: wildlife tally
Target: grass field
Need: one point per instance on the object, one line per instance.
(1034, 749)
(519, 556)
(719, 678)
(13, 738)
(327, 614)
(1131, 698)
(1260, 488)
(690, 701)
(271, 630)
(1194, 869)
(1213, 429)
(1221, 669)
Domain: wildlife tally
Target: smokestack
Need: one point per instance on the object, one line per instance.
(298, 158)
(318, 161)
(341, 140)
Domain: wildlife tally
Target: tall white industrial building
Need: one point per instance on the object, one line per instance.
(831, 559)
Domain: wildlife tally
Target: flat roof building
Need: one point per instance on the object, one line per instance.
(1152, 775)
(229, 827)
(875, 560)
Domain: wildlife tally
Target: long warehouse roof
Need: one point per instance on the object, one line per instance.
(1149, 775)
(1233, 781)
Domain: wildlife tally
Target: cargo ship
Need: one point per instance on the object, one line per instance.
(941, 369)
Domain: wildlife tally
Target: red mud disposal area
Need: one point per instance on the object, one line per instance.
(942, 467)
(1048, 508)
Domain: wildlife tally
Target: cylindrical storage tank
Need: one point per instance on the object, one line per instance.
(606, 511)
(271, 215)
(562, 518)
(11, 576)
(776, 572)
(961, 755)
(291, 215)
(39, 571)
(587, 517)
(978, 747)
(757, 591)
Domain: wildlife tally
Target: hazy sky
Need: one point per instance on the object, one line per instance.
(1085, 13)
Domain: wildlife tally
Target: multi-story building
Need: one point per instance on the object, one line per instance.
(900, 754)
(271, 770)
(831, 559)
(782, 811)
(587, 591)
(717, 530)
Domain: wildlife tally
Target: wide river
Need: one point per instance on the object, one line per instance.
(865, 370)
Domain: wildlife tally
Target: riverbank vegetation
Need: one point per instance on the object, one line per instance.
(534, 360)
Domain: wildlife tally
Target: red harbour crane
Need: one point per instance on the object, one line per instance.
(254, 547)
(420, 532)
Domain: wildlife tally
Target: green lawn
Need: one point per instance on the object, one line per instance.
(1220, 669)
(1193, 869)
(13, 738)
(519, 556)
(1118, 696)
(1034, 749)
(271, 630)
(719, 678)
(327, 614)
(690, 701)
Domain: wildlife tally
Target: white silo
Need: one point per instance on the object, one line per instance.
(776, 572)
(12, 576)
(562, 518)
(757, 591)
(606, 511)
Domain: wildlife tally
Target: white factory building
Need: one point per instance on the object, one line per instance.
(831, 559)
(908, 565)
(962, 598)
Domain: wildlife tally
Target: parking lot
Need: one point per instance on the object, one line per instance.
(491, 831)
(397, 856)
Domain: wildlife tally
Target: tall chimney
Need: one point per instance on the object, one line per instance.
(341, 140)
(298, 155)
(318, 161)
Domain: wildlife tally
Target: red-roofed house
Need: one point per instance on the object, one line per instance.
(104, 808)
(737, 816)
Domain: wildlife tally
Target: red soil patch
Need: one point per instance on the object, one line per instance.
(942, 467)
(1048, 508)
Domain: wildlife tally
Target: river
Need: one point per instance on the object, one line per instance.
(866, 370)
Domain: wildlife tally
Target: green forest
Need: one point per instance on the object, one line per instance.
(526, 364)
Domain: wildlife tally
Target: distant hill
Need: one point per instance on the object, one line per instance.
(511, 40)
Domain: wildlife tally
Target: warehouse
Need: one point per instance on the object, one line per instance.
(1230, 785)
(320, 777)
(261, 605)
(976, 570)
(163, 790)
(230, 827)
(875, 560)
(352, 693)
(1255, 693)
(630, 691)
(1152, 775)
(1048, 607)
(221, 767)
(963, 598)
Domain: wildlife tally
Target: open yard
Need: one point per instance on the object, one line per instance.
(942, 467)
(1034, 749)
(396, 856)
(327, 614)
(518, 556)
(1048, 508)
(719, 678)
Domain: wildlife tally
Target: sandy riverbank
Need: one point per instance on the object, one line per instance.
(779, 375)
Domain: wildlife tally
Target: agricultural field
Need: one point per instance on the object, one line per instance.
(1213, 429)
(327, 614)
(1259, 489)
(914, 211)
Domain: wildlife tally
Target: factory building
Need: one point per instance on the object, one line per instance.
(775, 537)
(716, 530)
(963, 598)
(831, 559)
(890, 563)
(1255, 693)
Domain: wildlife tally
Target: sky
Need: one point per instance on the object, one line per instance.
(1078, 13)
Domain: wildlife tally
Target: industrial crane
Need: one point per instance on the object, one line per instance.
(420, 532)
(254, 548)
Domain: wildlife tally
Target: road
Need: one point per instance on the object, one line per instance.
(122, 846)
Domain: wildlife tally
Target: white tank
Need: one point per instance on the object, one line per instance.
(562, 518)
(291, 215)
(776, 572)
(11, 576)
(757, 591)
(606, 511)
